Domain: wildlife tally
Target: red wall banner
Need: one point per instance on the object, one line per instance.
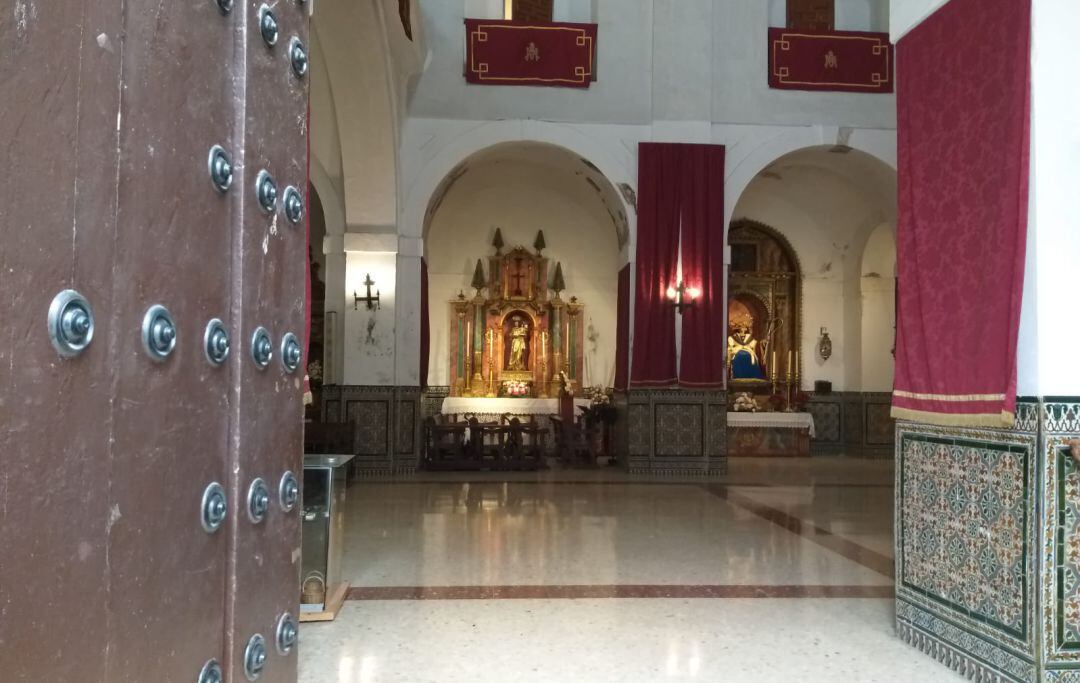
(962, 148)
(516, 53)
(845, 61)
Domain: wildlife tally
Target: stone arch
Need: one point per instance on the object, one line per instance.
(617, 165)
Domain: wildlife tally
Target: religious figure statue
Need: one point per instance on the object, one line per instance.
(743, 356)
(517, 346)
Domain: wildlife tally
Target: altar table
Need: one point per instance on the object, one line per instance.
(769, 434)
(492, 408)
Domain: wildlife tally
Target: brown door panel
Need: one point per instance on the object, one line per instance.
(172, 418)
(56, 226)
(107, 573)
(271, 258)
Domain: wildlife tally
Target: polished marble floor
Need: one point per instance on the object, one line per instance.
(781, 570)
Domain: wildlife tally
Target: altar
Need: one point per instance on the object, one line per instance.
(491, 409)
(516, 338)
(773, 434)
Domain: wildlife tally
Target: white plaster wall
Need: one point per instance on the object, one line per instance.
(522, 199)
(698, 60)
(369, 335)
(905, 15)
(740, 89)
(1047, 355)
(878, 310)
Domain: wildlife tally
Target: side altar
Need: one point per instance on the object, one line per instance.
(516, 337)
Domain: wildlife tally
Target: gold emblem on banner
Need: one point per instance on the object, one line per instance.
(830, 60)
(532, 53)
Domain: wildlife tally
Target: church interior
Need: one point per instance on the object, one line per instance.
(613, 349)
(642, 340)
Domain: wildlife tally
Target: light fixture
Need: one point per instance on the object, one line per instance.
(682, 297)
(824, 347)
(372, 302)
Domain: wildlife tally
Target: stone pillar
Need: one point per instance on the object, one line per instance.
(988, 520)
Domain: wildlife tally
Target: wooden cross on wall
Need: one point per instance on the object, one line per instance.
(518, 277)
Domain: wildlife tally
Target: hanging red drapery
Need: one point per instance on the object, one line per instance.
(962, 132)
(622, 330)
(659, 174)
(308, 398)
(425, 325)
(702, 189)
(680, 190)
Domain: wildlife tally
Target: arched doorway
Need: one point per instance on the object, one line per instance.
(502, 198)
(764, 297)
(831, 209)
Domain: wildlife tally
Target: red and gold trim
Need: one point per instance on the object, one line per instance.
(516, 53)
(844, 61)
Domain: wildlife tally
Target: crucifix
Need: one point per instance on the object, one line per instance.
(517, 277)
(372, 302)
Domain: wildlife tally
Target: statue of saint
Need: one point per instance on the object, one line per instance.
(517, 346)
(743, 356)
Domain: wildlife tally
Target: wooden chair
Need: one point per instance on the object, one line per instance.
(445, 444)
(571, 441)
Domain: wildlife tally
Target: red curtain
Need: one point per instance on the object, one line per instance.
(307, 398)
(622, 330)
(425, 325)
(963, 103)
(659, 174)
(702, 187)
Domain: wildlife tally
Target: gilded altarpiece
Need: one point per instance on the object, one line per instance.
(516, 336)
(764, 309)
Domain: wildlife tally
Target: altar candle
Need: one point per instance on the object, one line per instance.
(773, 366)
(789, 361)
(468, 337)
(796, 362)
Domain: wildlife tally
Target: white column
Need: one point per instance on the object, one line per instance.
(1048, 362)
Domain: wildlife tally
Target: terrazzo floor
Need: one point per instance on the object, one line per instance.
(782, 570)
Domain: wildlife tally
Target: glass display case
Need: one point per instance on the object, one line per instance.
(322, 589)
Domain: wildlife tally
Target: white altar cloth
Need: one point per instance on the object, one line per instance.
(458, 405)
(782, 420)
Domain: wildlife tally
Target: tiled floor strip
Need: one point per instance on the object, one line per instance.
(612, 591)
(822, 537)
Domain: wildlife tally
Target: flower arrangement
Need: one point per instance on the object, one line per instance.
(516, 388)
(600, 410)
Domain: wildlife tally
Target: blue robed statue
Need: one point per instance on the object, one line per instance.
(745, 356)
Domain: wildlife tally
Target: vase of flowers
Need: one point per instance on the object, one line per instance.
(516, 388)
(599, 416)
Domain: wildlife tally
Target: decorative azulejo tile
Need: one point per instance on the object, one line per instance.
(679, 429)
(967, 532)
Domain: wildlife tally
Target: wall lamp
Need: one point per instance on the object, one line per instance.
(682, 297)
(372, 302)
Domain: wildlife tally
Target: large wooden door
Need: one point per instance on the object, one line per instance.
(109, 449)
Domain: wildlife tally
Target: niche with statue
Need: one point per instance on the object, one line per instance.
(764, 319)
(516, 337)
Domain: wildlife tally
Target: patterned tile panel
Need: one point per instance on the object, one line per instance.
(1061, 560)
(639, 428)
(826, 420)
(1061, 415)
(960, 649)
(880, 426)
(372, 418)
(853, 421)
(966, 529)
(406, 428)
(679, 429)
(717, 429)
